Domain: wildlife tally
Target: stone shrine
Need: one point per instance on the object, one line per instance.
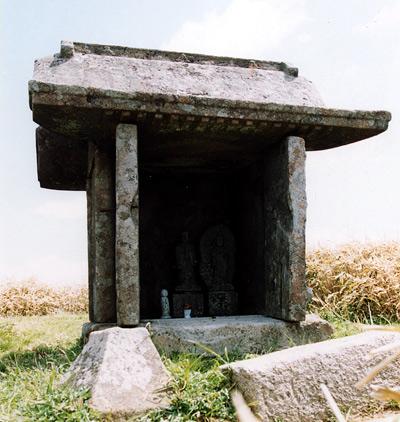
(194, 171)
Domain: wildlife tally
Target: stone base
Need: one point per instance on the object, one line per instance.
(123, 371)
(285, 385)
(194, 299)
(222, 303)
(241, 334)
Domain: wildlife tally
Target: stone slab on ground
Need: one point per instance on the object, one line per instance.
(285, 385)
(241, 334)
(123, 370)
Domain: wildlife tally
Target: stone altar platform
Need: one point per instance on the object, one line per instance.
(238, 334)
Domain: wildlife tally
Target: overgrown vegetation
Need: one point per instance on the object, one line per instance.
(32, 298)
(356, 283)
(352, 284)
(35, 351)
(200, 392)
(33, 354)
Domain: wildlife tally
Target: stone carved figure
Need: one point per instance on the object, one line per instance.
(165, 311)
(186, 262)
(217, 267)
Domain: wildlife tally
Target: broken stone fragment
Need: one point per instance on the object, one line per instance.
(285, 385)
(123, 370)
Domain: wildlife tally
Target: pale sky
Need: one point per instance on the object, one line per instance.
(350, 49)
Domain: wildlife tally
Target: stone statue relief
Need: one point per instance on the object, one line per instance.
(186, 262)
(217, 267)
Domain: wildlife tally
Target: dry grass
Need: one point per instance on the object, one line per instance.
(356, 282)
(30, 298)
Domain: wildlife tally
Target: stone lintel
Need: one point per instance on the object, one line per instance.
(127, 226)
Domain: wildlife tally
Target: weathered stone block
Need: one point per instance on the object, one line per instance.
(127, 226)
(123, 371)
(285, 207)
(101, 235)
(285, 385)
(241, 334)
(61, 161)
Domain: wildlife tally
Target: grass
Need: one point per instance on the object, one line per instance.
(352, 285)
(35, 351)
(200, 392)
(359, 283)
(32, 298)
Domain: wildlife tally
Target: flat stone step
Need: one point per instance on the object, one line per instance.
(240, 334)
(285, 385)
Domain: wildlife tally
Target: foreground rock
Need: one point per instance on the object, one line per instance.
(123, 370)
(285, 385)
(240, 334)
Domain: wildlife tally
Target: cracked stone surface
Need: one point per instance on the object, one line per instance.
(286, 384)
(127, 226)
(87, 89)
(132, 71)
(285, 206)
(242, 334)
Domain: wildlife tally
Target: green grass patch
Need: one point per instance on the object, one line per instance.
(34, 352)
(200, 392)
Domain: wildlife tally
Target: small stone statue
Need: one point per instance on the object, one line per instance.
(186, 261)
(165, 313)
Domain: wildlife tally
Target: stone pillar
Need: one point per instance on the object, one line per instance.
(284, 220)
(127, 226)
(90, 231)
(101, 236)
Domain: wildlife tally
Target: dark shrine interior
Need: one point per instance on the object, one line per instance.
(173, 201)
